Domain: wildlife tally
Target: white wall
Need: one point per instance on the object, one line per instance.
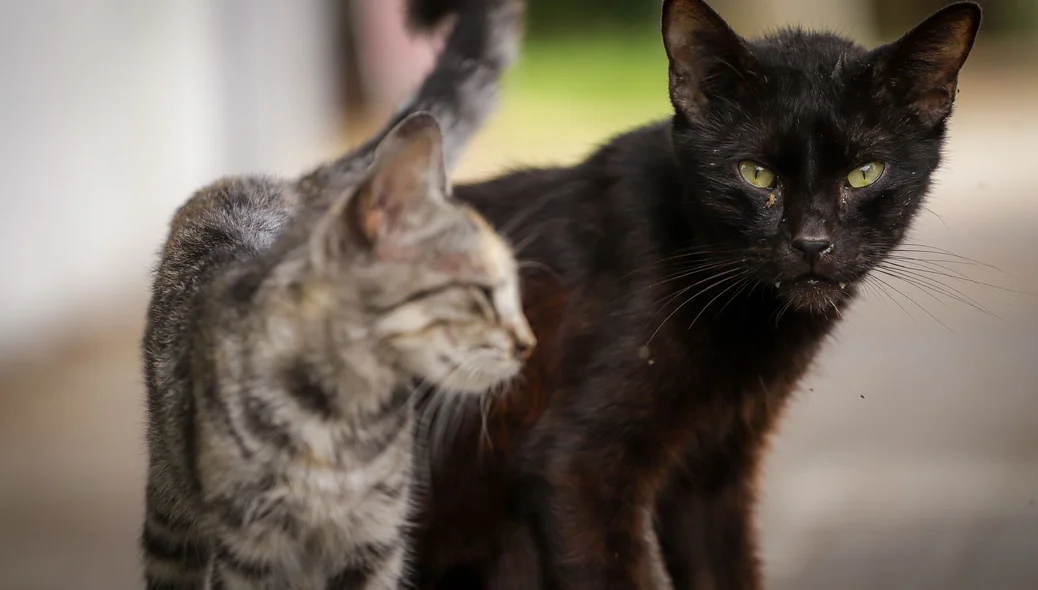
(113, 111)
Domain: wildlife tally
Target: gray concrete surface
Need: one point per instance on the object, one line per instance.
(908, 461)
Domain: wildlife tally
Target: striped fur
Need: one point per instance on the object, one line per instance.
(287, 324)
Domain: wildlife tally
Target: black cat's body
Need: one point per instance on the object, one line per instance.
(625, 421)
(677, 306)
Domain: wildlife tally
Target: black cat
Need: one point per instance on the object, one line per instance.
(696, 268)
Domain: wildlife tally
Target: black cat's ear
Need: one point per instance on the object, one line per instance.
(707, 58)
(921, 69)
(407, 175)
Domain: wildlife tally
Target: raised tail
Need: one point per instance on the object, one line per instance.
(463, 88)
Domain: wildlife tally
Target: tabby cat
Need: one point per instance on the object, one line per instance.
(697, 267)
(287, 324)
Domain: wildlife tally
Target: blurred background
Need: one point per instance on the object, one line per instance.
(908, 461)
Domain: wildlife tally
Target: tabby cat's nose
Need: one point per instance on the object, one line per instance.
(524, 348)
(523, 340)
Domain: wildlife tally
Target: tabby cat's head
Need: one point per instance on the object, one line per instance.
(807, 157)
(438, 284)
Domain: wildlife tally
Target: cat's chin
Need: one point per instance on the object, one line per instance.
(815, 294)
(469, 379)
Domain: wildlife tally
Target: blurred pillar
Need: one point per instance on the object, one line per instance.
(113, 111)
(276, 63)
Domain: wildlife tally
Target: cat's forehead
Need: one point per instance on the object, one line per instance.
(809, 70)
(814, 88)
(810, 53)
(496, 259)
(467, 248)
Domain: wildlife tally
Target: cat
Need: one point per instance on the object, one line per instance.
(288, 323)
(697, 266)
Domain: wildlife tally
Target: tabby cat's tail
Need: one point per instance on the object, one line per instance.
(462, 89)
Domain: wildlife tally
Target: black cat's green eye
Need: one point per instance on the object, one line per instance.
(863, 176)
(757, 175)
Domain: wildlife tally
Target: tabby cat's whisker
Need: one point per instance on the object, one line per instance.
(536, 264)
(525, 242)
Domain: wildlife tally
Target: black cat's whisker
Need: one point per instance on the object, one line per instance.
(836, 307)
(897, 255)
(687, 272)
(701, 251)
(716, 283)
(932, 275)
(947, 289)
(684, 290)
(914, 302)
(903, 271)
(881, 288)
(961, 277)
(676, 272)
(939, 218)
(927, 249)
(745, 282)
(684, 262)
(920, 264)
(782, 311)
(932, 287)
(709, 303)
(690, 272)
(679, 262)
(876, 288)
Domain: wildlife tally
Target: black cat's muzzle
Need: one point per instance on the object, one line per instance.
(813, 291)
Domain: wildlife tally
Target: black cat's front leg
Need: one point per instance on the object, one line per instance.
(592, 528)
(705, 527)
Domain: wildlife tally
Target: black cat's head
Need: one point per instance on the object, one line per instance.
(804, 154)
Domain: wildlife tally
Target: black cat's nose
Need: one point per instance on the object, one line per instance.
(813, 247)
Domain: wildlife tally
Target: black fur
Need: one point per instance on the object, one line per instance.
(678, 315)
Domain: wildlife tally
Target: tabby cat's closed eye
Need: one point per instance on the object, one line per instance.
(297, 470)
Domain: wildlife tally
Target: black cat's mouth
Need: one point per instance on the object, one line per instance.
(814, 292)
(813, 280)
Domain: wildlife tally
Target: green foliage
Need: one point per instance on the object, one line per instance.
(550, 18)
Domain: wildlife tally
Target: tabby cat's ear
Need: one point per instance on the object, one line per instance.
(707, 58)
(921, 69)
(408, 175)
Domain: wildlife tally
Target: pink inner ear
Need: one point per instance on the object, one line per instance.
(372, 223)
